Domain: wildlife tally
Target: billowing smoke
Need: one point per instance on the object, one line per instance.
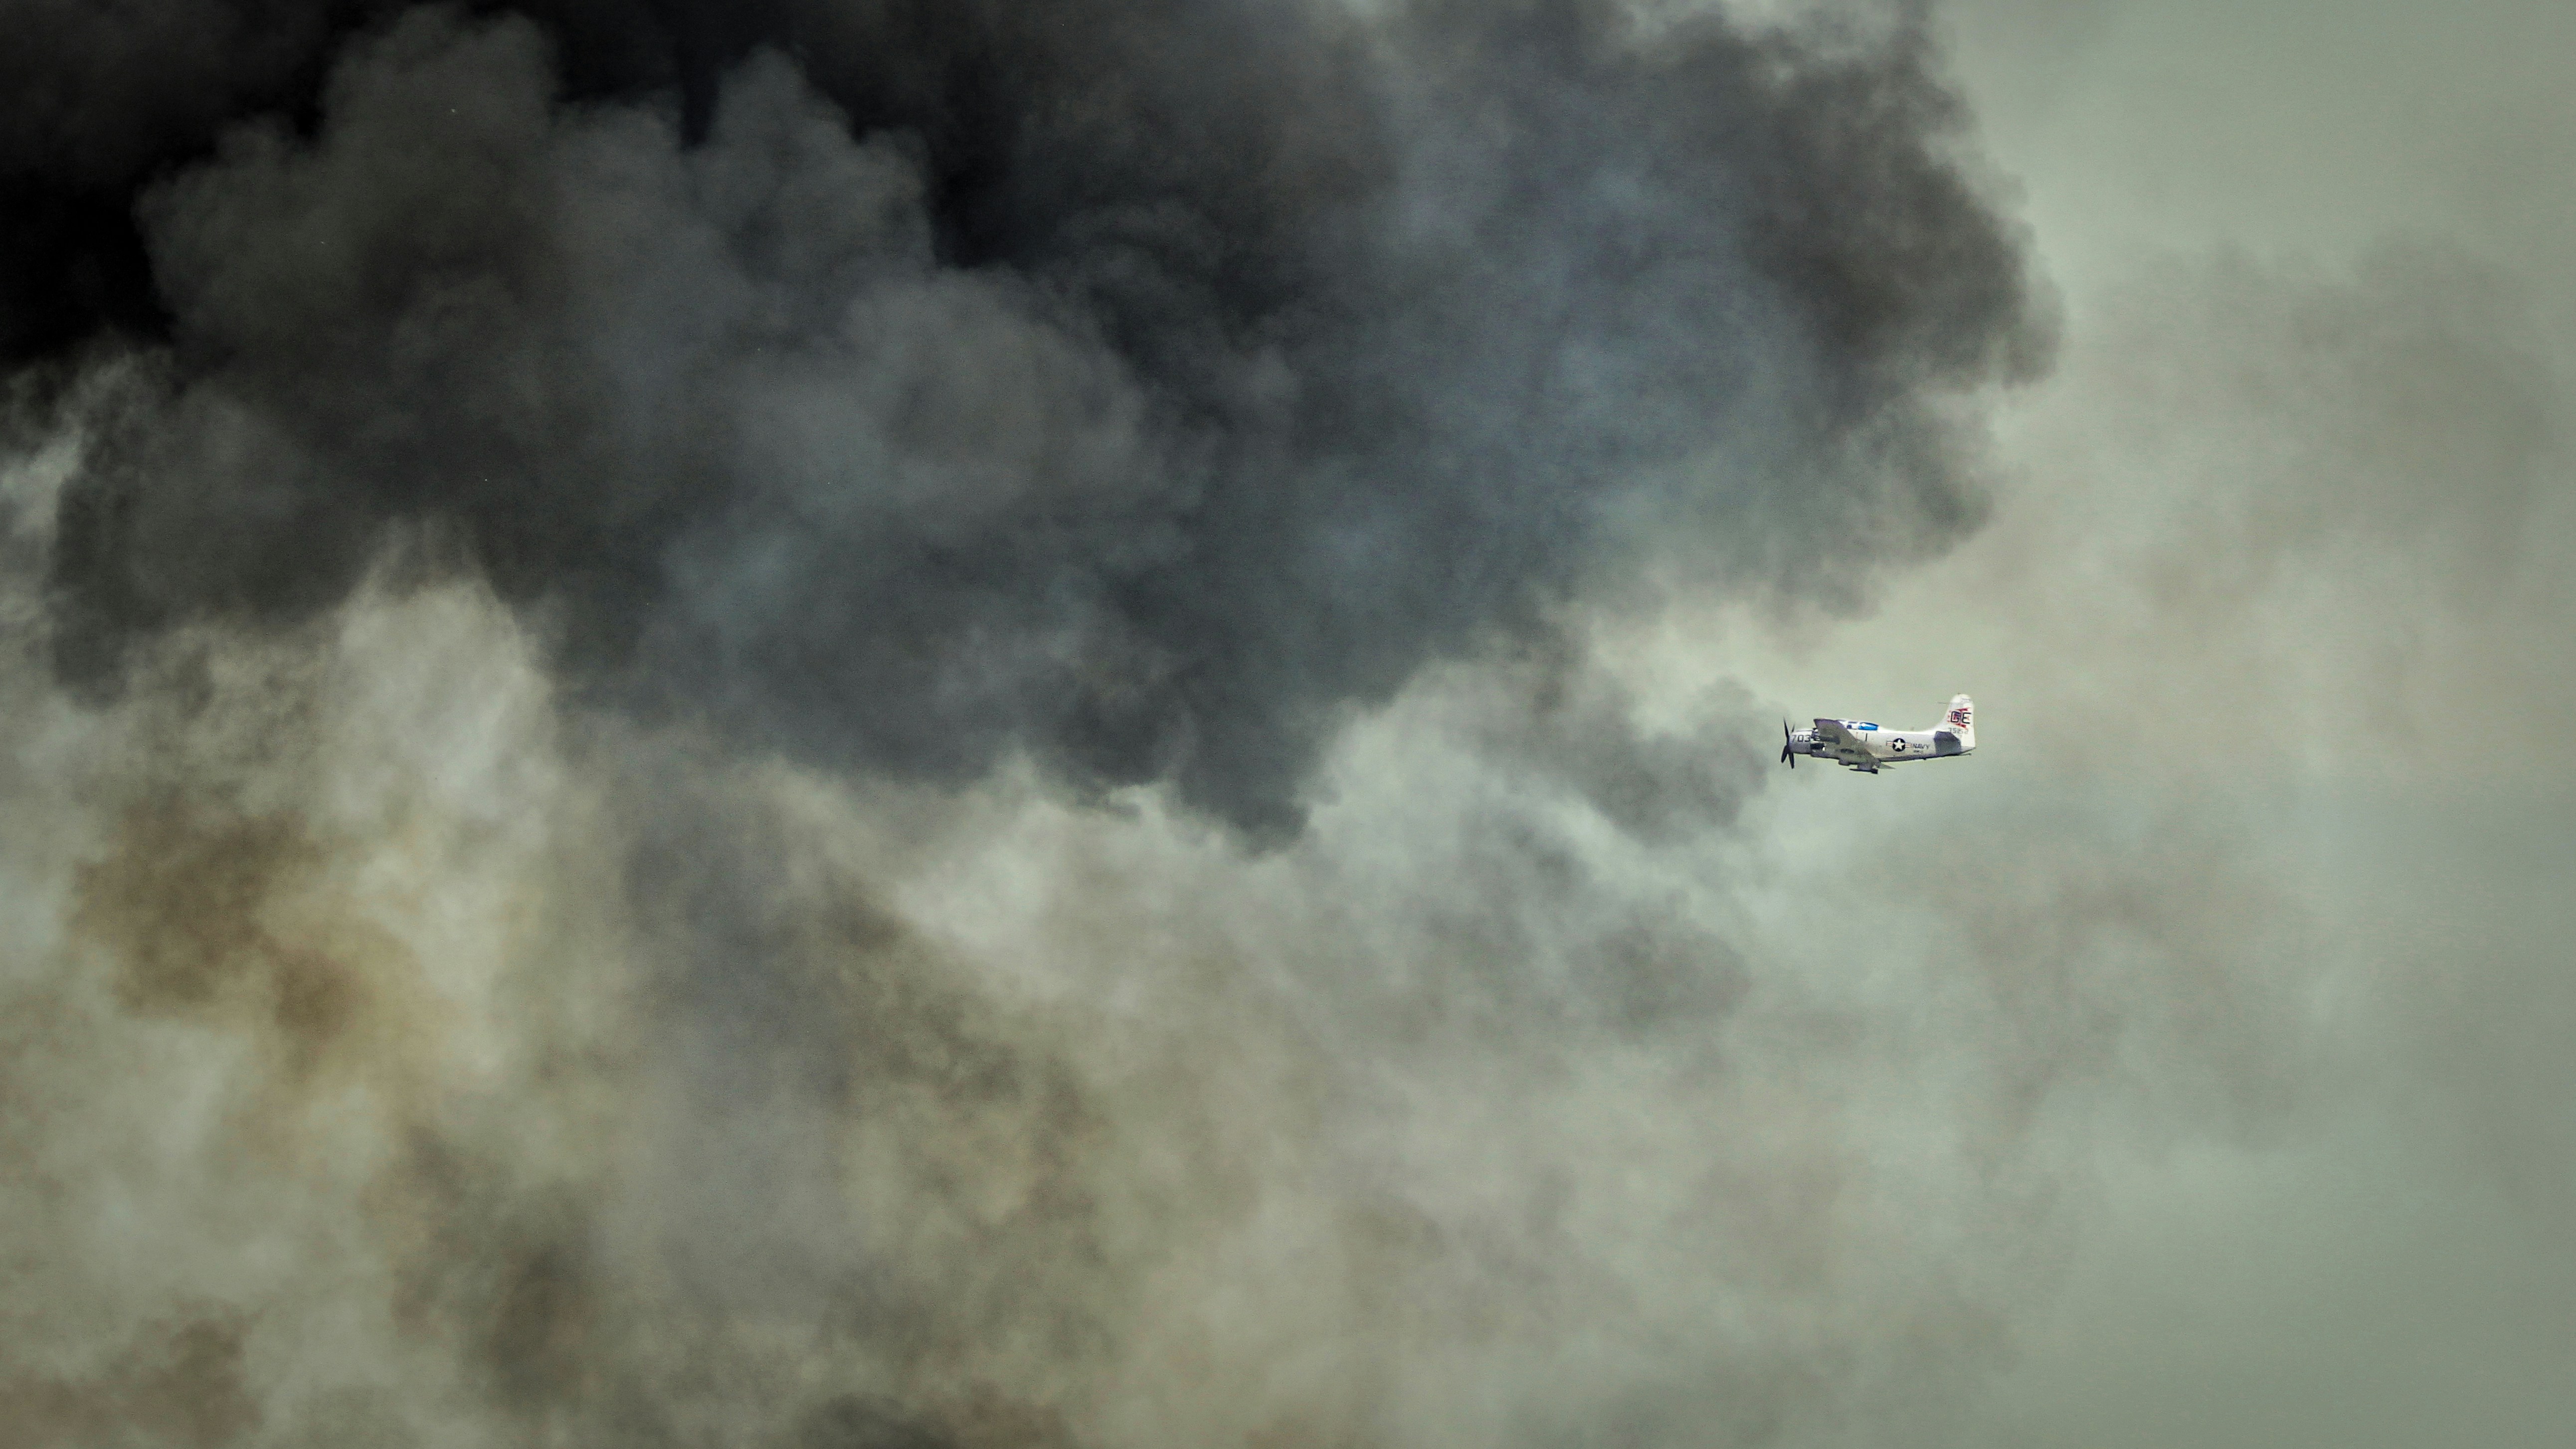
(1139, 387)
(871, 724)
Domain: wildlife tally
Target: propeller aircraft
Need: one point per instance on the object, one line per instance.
(1860, 745)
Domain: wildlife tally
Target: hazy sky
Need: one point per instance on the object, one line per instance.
(1062, 734)
(2278, 576)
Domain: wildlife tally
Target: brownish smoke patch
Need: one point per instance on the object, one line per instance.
(215, 913)
(963, 1138)
(179, 1382)
(502, 1269)
(981, 1419)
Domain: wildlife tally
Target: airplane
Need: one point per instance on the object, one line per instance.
(1863, 746)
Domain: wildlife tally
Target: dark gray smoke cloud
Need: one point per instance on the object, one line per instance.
(585, 581)
(1141, 388)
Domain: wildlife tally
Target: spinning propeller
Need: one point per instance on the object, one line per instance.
(1788, 750)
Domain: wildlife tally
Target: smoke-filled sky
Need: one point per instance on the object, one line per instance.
(850, 724)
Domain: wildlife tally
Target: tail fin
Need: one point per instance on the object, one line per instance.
(1962, 721)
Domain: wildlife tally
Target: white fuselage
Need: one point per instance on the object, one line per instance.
(1869, 746)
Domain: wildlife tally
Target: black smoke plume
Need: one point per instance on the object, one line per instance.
(1142, 386)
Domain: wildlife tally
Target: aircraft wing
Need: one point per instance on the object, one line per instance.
(1831, 731)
